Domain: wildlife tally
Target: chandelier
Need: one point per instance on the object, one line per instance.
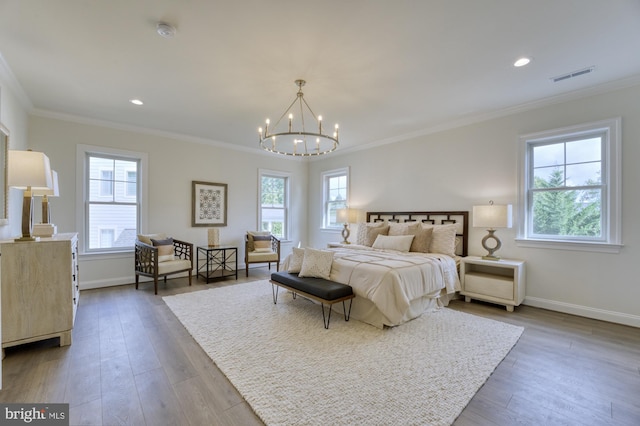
(297, 141)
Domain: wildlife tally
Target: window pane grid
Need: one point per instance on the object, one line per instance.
(335, 196)
(273, 204)
(113, 205)
(566, 188)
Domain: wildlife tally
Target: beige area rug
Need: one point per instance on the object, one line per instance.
(294, 372)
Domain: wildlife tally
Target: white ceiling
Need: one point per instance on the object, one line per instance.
(382, 69)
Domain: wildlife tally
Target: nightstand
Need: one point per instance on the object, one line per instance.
(497, 281)
(337, 245)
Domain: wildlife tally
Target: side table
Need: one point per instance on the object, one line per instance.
(501, 281)
(216, 262)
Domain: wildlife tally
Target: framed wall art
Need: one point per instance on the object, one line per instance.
(209, 204)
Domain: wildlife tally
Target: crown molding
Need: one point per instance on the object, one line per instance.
(9, 80)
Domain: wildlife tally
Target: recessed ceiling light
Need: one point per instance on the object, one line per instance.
(136, 101)
(521, 62)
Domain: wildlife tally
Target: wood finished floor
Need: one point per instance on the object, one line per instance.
(132, 362)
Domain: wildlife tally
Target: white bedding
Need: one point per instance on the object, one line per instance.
(393, 287)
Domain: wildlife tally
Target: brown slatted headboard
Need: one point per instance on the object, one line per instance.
(460, 218)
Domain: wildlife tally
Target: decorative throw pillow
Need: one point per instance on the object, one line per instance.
(394, 242)
(421, 240)
(165, 249)
(262, 243)
(295, 261)
(407, 228)
(251, 235)
(443, 239)
(316, 263)
(146, 238)
(361, 233)
(372, 234)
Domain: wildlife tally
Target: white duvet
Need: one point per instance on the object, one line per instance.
(398, 284)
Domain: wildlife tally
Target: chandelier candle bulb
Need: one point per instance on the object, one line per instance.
(290, 121)
(320, 124)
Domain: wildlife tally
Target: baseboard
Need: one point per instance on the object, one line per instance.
(112, 282)
(584, 311)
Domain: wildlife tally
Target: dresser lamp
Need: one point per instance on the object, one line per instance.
(490, 217)
(46, 228)
(346, 216)
(28, 170)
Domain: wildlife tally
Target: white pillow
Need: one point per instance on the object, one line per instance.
(316, 263)
(361, 234)
(295, 261)
(405, 228)
(443, 239)
(393, 242)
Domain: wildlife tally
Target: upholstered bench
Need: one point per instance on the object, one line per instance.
(318, 289)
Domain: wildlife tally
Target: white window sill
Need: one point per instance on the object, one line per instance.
(332, 230)
(570, 245)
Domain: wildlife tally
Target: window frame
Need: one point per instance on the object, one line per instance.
(287, 185)
(611, 172)
(325, 177)
(82, 195)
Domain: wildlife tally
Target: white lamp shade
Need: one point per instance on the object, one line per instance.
(29, 169)
(49, 192)
(347, 215)
(492, 216)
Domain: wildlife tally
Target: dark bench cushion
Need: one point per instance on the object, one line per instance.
(319, 287)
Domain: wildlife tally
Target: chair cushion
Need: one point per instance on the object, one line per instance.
(255, 256)
(173, 266)
(165, 249)
(146, 238)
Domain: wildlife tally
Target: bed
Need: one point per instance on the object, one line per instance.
(401, 264)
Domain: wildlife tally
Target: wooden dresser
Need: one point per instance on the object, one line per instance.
(40, 289)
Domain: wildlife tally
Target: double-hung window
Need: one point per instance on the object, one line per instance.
(569, 192)
(274, 203)
(111, 198)
(335, 190)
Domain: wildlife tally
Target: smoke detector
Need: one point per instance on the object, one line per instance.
(165, 30)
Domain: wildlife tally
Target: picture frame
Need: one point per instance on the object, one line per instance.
(208, 204)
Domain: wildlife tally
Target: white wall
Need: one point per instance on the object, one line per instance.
(173, 164)
(455, 169)
(14, 117)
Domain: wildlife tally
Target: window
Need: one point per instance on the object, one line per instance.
(569, 192)
(274, 203)
(335, 190)
(132, 184)
(111, 204)
(106, 183)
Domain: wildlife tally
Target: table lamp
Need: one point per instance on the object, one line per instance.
(46, 228)
(28, 170)
(491, 217)
(346, 216)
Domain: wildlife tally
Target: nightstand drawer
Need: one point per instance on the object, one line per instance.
(489, 285)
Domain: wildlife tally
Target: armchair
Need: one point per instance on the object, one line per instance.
(158, 256)
(261, 247)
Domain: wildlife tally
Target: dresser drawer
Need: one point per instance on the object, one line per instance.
(489, 285)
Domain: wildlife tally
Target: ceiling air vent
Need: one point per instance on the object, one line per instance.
(573, 74)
